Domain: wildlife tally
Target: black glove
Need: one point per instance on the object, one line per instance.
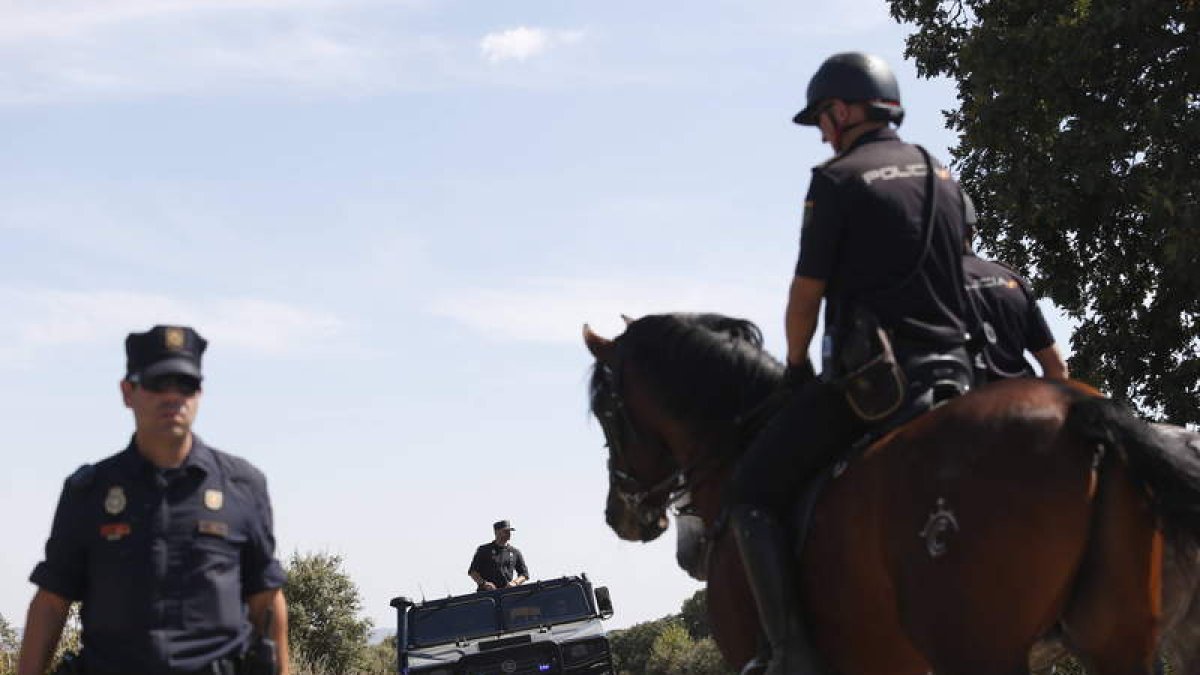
(798, 375)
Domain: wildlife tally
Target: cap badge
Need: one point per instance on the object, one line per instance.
(114, 502)
(174, 339)
(213, 499)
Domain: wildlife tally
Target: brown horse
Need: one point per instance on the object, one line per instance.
(954, 544)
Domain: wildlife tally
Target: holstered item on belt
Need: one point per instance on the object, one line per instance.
(262, 658)
(871, 377)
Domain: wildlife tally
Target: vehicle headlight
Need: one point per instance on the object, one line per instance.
(581, 651)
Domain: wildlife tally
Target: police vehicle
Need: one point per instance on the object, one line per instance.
(542, 627)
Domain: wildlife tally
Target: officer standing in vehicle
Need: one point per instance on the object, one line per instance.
(1005, 300)
(496, 562)
(168, 545)
(881, 244)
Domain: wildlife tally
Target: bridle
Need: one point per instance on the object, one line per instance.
(618, 427)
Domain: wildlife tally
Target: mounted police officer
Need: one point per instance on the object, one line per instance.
(168, 544)
(1006, 302)
(881, 244)
(498, 564)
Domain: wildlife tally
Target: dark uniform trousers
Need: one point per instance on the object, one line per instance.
(805, 435)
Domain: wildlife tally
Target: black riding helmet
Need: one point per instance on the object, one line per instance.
(854, 77)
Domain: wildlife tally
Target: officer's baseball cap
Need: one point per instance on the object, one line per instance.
(163, 350)
(502, 525)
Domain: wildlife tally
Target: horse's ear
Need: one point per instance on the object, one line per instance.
(627, 318)
(598, 346)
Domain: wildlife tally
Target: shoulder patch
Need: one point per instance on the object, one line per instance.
(83, 478)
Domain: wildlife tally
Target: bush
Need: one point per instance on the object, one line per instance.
(631, 646)
(323, 625)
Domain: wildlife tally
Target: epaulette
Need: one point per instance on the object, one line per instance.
(827, 163)
(83, 478)
(1010, 268)
(238, 469)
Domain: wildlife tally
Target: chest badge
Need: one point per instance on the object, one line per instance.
(114, 501)
(114, 531)
(214, 500)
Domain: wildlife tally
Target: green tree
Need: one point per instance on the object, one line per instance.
(706, 659)
(670, 650)
(695, 615)
(674, 652)
(10, 646)
(381, 658)
(10, 642)
(631, 647)
(1078, 122)
(71, 640)
(323, 606)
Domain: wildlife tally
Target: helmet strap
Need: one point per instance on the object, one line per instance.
(836, 140)
(839, 132)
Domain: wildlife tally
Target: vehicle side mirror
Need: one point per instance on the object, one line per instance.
(604, 602)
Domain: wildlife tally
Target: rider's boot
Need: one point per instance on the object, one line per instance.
(763, 547)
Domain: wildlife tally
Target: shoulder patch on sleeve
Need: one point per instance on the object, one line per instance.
(83, 477)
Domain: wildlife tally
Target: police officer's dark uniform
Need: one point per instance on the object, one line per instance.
(864, 234)
(162, 560)
(496, 562)
(1007, 303)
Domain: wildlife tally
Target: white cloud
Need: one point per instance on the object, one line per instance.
(553, 310)
(522, 43)
(38, 321)
(56, 50)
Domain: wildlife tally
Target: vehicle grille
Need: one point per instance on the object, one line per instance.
(537, 659)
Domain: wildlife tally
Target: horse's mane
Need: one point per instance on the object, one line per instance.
(703, 367)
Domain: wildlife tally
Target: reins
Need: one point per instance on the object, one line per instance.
(616, 423)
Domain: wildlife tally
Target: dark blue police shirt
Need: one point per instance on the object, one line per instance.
(162, 560)
(862, 234)
(1005, 300)
(497, 563)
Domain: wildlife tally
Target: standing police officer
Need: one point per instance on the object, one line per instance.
(496, 562)
(168, 545)
(881, 244)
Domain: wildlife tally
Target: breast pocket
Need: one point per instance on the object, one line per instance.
(214, 582)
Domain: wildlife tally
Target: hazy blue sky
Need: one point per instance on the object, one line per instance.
(391, 218)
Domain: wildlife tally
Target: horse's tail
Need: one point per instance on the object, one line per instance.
(1165, 466)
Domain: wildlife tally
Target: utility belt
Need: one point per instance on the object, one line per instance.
(880, 375)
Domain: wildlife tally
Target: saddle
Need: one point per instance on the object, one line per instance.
(932, 379)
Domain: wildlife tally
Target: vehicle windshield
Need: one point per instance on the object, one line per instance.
(449, 623)
(545, 606)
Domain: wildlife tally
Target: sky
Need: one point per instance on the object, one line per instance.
(391, 219)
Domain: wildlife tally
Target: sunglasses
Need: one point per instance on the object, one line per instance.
(182, 384)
